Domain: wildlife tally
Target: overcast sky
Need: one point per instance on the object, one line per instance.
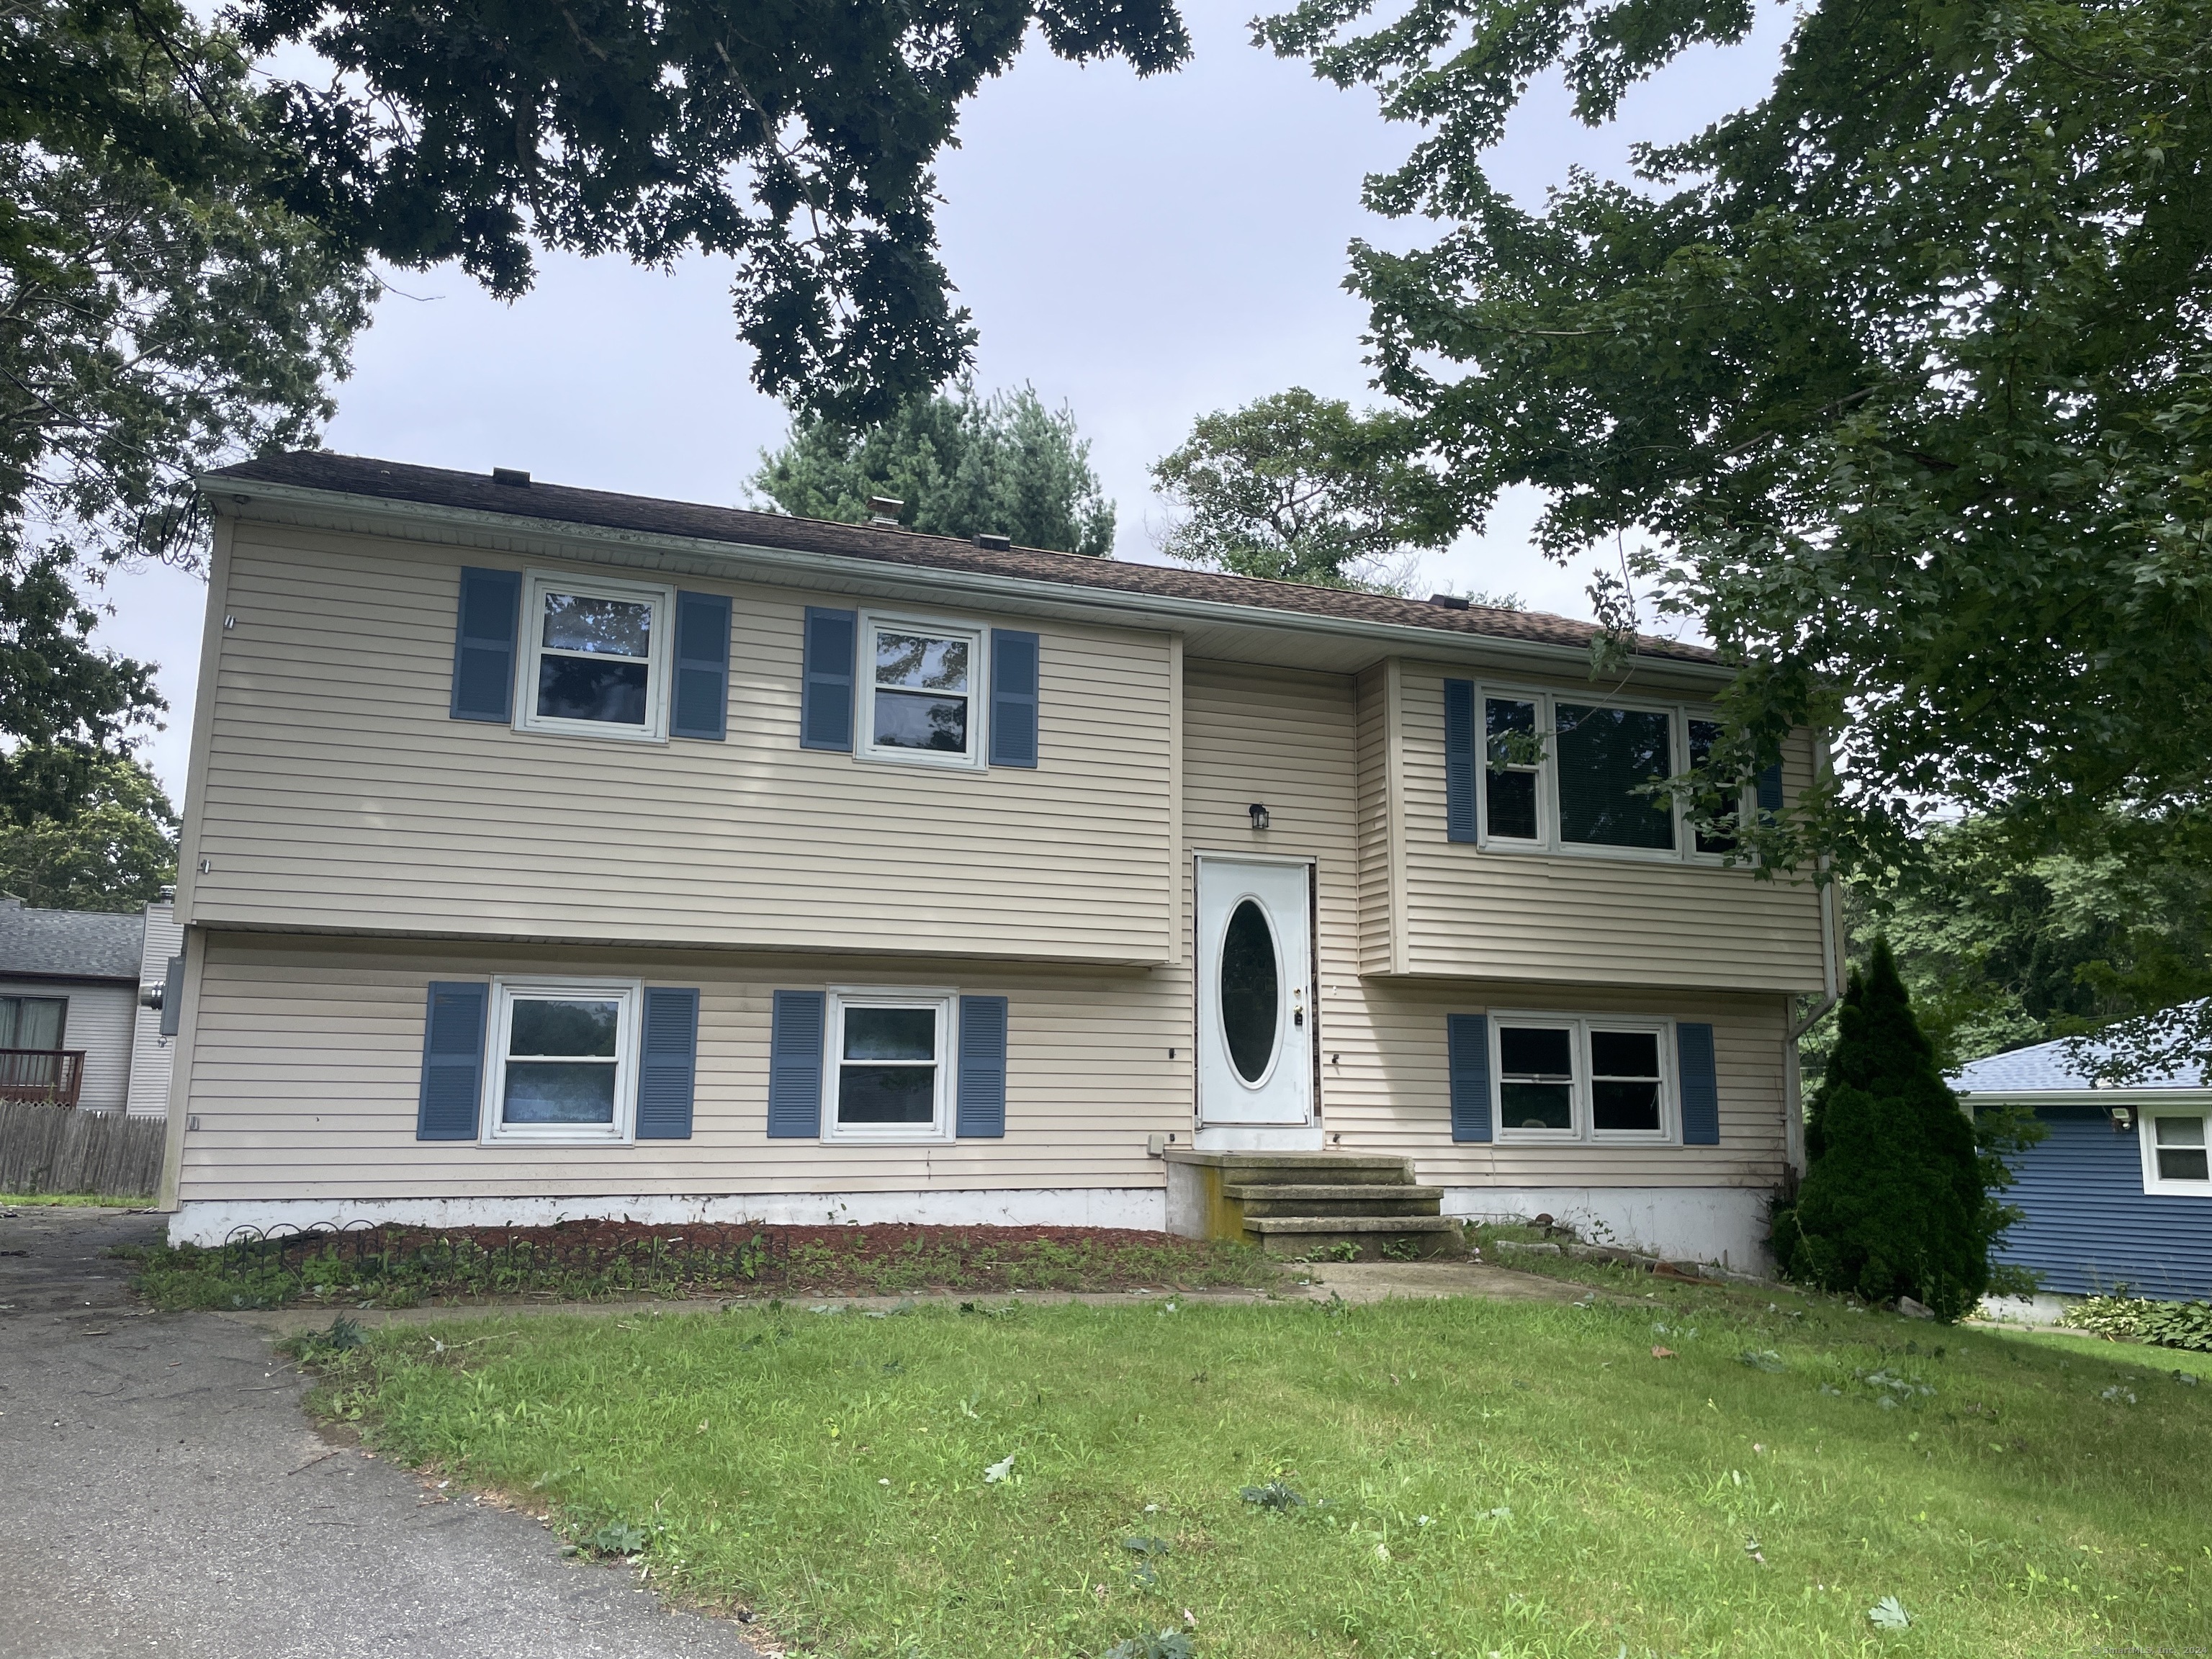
(1145, 251)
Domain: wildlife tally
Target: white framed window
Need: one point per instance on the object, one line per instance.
(887, 1073)
(562, 1066)
(921, 700)
(2177, 1149)
(1572, 1078)
(594, 661)
(1560, 773)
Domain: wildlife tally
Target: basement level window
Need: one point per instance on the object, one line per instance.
(890, 1064)
(563, 1061)
(1569, 1078)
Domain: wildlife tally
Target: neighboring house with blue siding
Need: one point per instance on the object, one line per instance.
(554, 853)
(2119, 1192)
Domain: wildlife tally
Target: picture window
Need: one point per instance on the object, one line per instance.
(1563, 776)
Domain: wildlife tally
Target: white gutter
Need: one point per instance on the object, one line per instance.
(2118, 1095)
(845, 567)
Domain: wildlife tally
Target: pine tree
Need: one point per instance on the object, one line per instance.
(1894, 1201)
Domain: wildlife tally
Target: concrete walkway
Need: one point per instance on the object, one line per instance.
(162, 1494)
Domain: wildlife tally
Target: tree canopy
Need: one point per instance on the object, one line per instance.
(1905, 371)
(798, 139)
(961, 464)
(115, 852)
(159, 314)
(1301, 489)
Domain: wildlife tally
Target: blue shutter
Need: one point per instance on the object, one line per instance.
(668, 1065)
(1468, 1039)
(982, 1101)
(452, 1062)
(702, 666)
(1770, 788)
(825, 713)
(1459, 760)
(483, 644)
(1013, 698)
(794, 1067)
(1701, 1089)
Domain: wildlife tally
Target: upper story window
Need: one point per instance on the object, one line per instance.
(594, 658)
(1563, 774)
(1564, 1078)
(2177, 1150)
(919, 692)
(33, 1022)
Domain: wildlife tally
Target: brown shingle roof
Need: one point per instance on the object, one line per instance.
(352, 475)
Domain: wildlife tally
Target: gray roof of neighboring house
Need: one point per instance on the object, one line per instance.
(2048, 1067)
(69, 943)
(351, 475)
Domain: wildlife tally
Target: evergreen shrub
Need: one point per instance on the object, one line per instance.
(1897, 1198)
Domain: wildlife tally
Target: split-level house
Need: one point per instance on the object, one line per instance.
(555, 854)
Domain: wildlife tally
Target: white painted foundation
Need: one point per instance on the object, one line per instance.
(1141, 1208)
(1724, 1224)
(2041, 1308)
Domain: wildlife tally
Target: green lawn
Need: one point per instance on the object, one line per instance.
(1482, 1477)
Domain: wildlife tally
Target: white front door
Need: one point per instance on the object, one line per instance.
(1254, 982)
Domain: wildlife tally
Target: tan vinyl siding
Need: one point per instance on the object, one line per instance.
(307, 1060)
(1588, 919)
(1392, 1092)
(338, 795)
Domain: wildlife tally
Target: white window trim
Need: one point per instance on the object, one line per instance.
(978, 634)
(530, 645)
(623, 1131)
(1548, 841)
(2154, 1184)
(1584, 1133)
(943, 1123)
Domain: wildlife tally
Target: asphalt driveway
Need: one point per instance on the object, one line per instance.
(161, 1493)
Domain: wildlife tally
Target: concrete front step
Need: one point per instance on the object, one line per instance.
(1363, 1199)
(1333, 1168)
(1312, 1236)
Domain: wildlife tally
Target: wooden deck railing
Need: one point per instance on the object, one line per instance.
(52, 1075)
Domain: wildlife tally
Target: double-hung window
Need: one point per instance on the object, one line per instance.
(1570, 1078)
(1561, 774)
(920, 685)
(563, 1060)
(595, 657)
(2177, 1150)
(889, 1066)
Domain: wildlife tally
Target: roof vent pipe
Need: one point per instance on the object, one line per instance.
(885, 510)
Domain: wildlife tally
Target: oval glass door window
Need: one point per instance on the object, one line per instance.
(1251, 992)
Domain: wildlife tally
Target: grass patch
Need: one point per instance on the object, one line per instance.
(402, 1267)
(1411, 1479)
(71, 1200)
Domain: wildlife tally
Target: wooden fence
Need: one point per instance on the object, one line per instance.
(57, 1149)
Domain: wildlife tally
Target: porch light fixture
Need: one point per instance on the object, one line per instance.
(2124, 1119)
(1259, 815)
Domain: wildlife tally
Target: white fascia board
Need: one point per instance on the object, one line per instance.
(2146, 1095)
(341, 510)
